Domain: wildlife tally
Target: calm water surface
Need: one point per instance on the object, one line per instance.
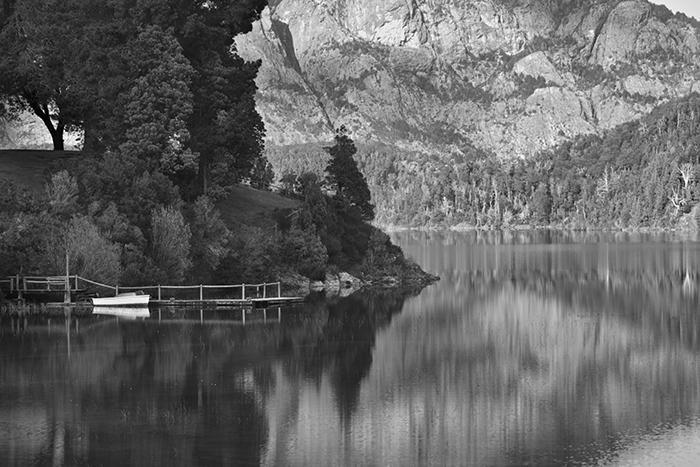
(534, 348)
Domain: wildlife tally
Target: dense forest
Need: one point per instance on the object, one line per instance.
(642, 174)
(167, 109)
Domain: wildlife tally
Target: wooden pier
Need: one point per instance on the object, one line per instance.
(224, 295)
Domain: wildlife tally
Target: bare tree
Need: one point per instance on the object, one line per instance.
(677, 201)
(687, 171)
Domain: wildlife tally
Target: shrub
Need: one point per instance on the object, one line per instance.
(170, 244)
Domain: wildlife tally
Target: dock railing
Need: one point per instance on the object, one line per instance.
(201, 292)
(195, 292)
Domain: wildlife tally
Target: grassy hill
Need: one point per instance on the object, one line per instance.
(250, 206)
(32, 168)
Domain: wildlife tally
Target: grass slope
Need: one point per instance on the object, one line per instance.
(246, 205)
(32, 168)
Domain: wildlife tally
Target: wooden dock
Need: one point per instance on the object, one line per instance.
(252, 302)
(217, 295)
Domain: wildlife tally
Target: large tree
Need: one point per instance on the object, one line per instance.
(40, 64)
(225, 128)
(81, 64)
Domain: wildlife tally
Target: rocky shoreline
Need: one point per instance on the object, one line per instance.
(342, 284)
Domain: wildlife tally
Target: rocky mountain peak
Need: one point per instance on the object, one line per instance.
(510, 76)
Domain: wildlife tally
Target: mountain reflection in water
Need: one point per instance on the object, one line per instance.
(533, 349)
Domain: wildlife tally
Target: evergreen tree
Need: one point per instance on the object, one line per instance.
(344, 178)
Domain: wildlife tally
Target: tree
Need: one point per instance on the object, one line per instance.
(40, 63)
(170, 244)
(209, 238)
(62, 194)
(542, 203)
(109, 67)
(90, 254)
(225, 128)
(344, 178)
(158, 105)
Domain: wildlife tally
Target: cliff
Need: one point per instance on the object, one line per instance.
(512, 77)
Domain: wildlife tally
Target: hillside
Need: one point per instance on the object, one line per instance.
(512, 77)
(32, 168)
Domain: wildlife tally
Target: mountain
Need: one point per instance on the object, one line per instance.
(509, 77)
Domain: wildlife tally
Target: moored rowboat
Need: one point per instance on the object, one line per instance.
(127, 299)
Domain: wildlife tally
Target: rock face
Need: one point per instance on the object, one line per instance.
(537, 65)
(512, 77)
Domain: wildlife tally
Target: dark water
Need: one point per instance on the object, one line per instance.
(533, 349)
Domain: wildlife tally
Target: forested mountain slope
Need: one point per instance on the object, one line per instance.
(642, 174)
(442, 95)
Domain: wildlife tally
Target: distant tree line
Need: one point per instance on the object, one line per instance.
(643, 174)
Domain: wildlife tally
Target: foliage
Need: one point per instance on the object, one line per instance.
(157, 79)
(170, 244)
(210, 239)
(158, 105)
(253, 255)
(89, 253)
(41, 62)
(26, 242)
(345, 179)
(642, 174)
(62, 194)
(304, 251)
(262, 175)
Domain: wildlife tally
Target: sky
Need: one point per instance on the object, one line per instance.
(689, 7)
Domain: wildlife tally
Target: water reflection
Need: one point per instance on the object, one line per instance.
(174, 390)
(527, 352)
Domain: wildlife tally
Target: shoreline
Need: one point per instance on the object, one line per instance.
(526, 228)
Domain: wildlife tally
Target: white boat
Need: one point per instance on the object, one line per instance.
(124, 299)
(123, 312)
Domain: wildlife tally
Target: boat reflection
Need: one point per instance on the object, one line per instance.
(123, 312)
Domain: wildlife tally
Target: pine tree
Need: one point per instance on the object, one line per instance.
(344, 178)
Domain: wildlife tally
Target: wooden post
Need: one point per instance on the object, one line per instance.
(243, 291)
(264, 290)
(116, 290)
(159, 293)
(76, 283)
(66, 294)
(279, 290)
(201, 293)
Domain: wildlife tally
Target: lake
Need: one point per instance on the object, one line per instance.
(535, 348)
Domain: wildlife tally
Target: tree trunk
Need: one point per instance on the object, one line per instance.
(42, 111)
(57, 137)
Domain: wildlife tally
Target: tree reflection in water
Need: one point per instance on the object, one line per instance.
(174, 392)
(532, 349)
